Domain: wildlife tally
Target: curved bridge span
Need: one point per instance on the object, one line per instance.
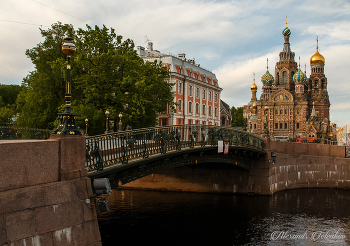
(130, 155)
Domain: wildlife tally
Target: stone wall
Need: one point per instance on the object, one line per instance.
(302, 165)
(292, 165)
(43, 192)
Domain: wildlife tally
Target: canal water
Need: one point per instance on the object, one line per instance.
(294, 217)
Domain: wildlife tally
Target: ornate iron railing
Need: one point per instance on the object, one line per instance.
(119, 147)
(15, 133)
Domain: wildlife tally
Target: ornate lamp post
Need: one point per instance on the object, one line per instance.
(67, 117)
(266, 131)
(120, 121)
(86, 124)
(107, 114)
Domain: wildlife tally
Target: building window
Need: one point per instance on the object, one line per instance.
(276, 111)
(190, 90)
(285, 125)
(203, 93)
(281, 126)
(179, 89)
(209, 95)
(197, 108)
(281, 111)
(216, 97)
(203, 78)
(179, 121)
(276, 125)
(180, 105)
(197, 92)
(209, 111)
(216, 112)
(191, 74)
(223, 121)
(298, 125)
(190, 107)
(285, 77)
(298, 112)
(285, 111)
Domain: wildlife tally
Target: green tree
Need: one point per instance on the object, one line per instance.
(237, 117)
(106, 74)
(8, 96)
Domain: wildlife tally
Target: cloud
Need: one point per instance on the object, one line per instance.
(236, 78)
(336, 30)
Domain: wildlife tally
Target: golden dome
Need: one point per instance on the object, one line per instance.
(254, 87)
(330, 134)
(317, 58)
(254, 105)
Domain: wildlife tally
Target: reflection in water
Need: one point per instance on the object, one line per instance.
(294, 217)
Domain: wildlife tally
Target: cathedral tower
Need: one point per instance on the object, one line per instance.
(286, 67)
(317, 85)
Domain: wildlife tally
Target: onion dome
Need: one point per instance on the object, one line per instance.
(267, 78)
(299, 77)
(254, 87)
(317, 57)
(286, 31)
(254, 105)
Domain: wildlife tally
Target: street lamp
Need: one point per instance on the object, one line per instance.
(107, 114)
(67, 117)
(86, 124)
(120, 121)
(267, 123)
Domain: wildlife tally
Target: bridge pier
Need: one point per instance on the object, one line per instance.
(43, 192)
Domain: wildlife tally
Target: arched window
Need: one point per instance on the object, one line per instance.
(190, 107)
(222, 121)
(285, 77)
(278, 78)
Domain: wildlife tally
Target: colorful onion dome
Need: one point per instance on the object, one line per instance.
(286, 31)
(299, 77)
(317, 57)
(267, 78)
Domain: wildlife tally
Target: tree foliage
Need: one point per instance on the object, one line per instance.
(8, 96)
(106, 74)
(237, 117)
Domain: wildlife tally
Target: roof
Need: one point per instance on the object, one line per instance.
(225, 105)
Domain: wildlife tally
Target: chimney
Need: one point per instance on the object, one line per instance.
(150, 46)
(182, 56)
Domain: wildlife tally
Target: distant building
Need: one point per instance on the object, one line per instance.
(225, 114)
(291, 105)
(197, 90)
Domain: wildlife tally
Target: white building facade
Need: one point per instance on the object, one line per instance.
(197, 90)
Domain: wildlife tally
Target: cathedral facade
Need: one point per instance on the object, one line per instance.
(291, 105)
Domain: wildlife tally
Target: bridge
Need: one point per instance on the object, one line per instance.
(126, 156)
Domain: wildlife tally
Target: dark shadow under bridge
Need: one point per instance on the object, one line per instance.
(130, 155)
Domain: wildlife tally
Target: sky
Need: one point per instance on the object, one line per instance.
(233, 39)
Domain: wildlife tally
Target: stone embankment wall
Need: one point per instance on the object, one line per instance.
(303, 165)
(285, 166)
(43, 192)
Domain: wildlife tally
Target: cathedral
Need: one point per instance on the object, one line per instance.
(291, 105)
